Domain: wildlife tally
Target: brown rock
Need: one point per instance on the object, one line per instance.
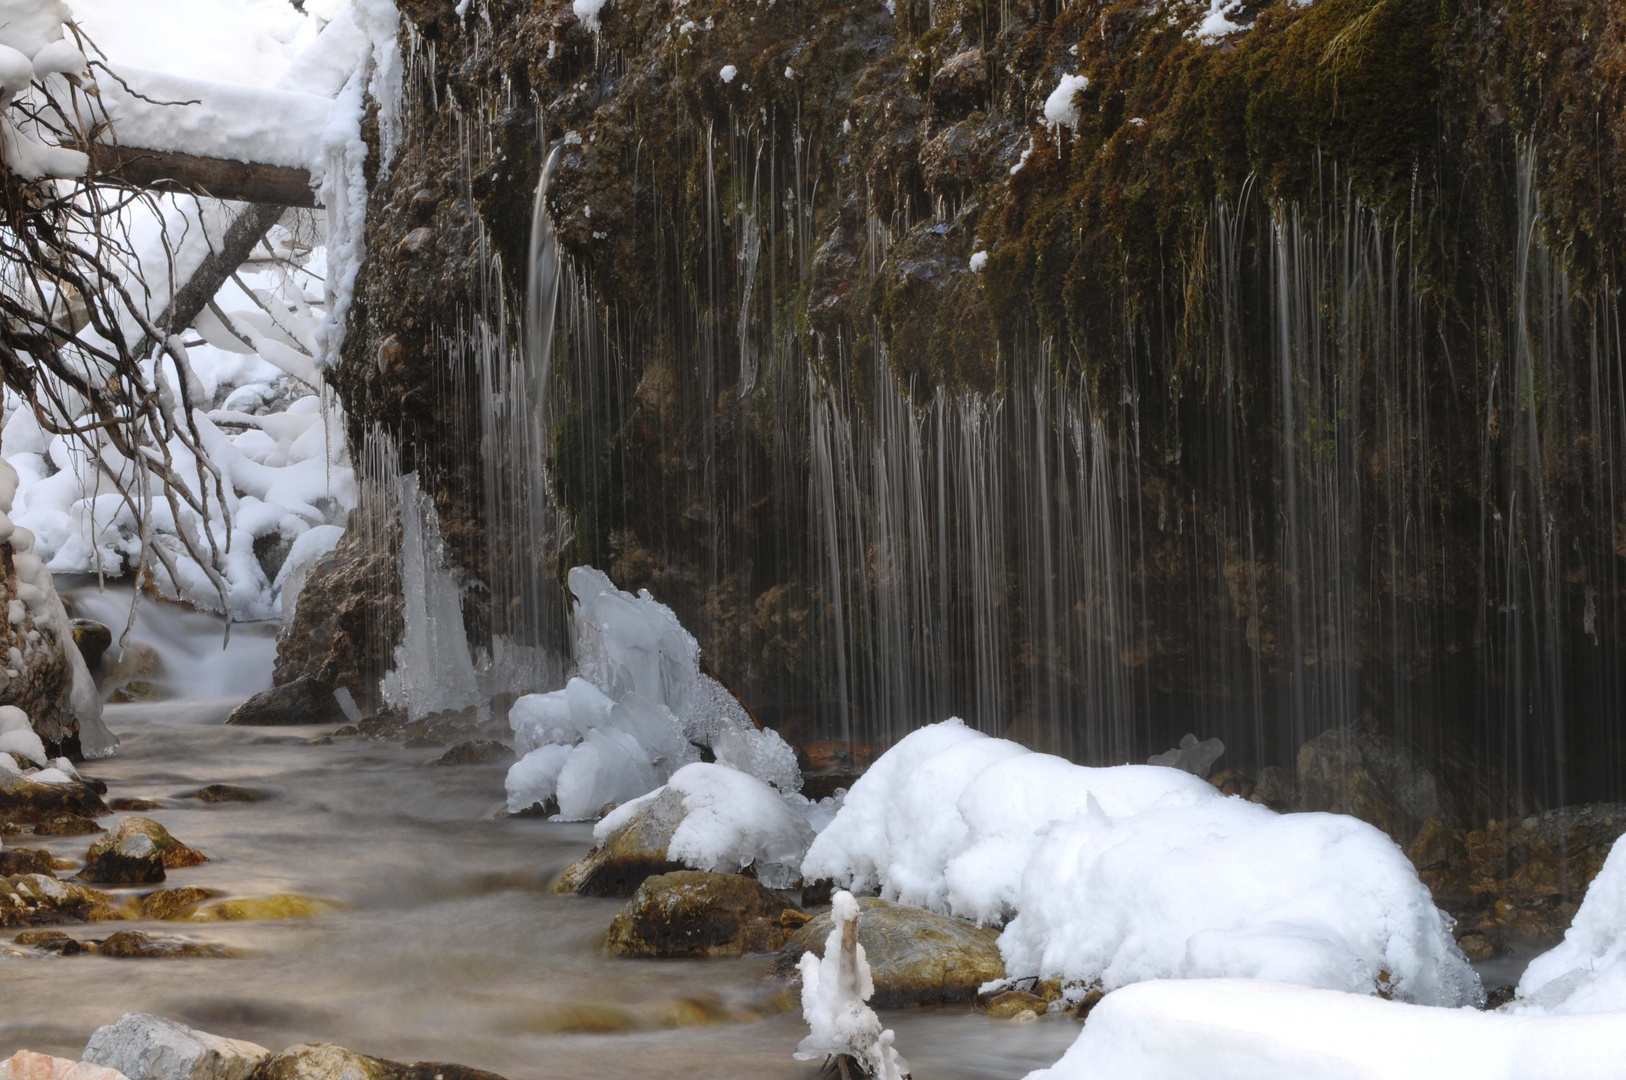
(140, 945)
(324, 1061)
(916, 957)
(137, 805)
(67, 825)
(476, 752)
(25, 802)
(305, 700)
(174, 854)
(1016, 1005)
(26, 861)
(170, 905)
(226, 793)
(37, 900)
(93, 639)
(632, 853)
(51, 941)
(692, 913)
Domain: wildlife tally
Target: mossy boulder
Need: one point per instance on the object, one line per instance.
(27, 802)
(127, 854)
(169, 905)
(37, 900)
(694, 913)
(916, 957)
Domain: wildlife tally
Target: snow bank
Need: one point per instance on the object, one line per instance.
(730, 821)
(1137, 872)
(1586, 972)
(1223, 1029)
(834, 991)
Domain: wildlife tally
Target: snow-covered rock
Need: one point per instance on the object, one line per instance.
(730, 822)
(1136, 872)
(147, 1047)
(1586, 972)
(1236, 1029)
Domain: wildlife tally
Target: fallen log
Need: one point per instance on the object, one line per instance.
(233, 181)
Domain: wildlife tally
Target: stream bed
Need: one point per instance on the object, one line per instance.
(448, 947)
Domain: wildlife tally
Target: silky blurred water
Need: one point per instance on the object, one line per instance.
(449, 948)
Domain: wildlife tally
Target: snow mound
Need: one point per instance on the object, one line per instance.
(834, 991)
(730, 821)
(1061, 107)
(1586, 972)
(1137, 872)
(1223, 1029)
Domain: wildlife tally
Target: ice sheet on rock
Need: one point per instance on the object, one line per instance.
(834, 992)
(631, 644)
(761, 753)
(1135, 872)
(730, 821)
(1586, 972)
(534, 778)
(17, 736)
(1245, 1029)
(606, 768)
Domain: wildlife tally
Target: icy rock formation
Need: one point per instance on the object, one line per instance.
(47, 689)
(1233, 1028)
(834, 991)
(147, 1047)
(1586, 972)
(636, 713)
(1137, 872)
(731, 822)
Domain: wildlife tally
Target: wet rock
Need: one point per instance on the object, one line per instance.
(383, 724)
(25, 802)
(1233, 782)
(132, 859)
(693, 913)
(324, 1061)
(632, 853)
(423, 742)
(417, 242)
(140, 945)
(960, 86)
(822, 785)
(1356, 771)
(302, 701)
(50, 941)
(155, 1048)
(67, 825)
(1017, 1005)
(476, 752)
(170, 905)
(26, 1065)
(1476, 945)
(226, 793)
(37, 900)
(1518, 880)
(1276, 787)
(93, 639)
(346, 731)
(137, 805)
(916, 957)
(26, 861)
(137, 674)
(264, 908)
(172, 853)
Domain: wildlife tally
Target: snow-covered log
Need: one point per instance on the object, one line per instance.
(236, 181)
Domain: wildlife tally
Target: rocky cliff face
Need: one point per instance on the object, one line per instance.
(1265, 383)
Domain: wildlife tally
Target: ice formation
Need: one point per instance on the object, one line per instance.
(834, 991)
(1586, 972)
(1135, 872)
(636, 712)
(978, 262)
(1061, 107)
(1236, 1029)
(731, 821)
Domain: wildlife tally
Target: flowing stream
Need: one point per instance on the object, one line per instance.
(449, 947)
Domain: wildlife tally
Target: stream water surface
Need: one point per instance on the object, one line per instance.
(448, 948)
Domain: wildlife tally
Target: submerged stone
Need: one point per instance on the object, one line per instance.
(140, 945)
(476, 752)
(324, 1061)
(693, 913)
(169, 905)
(263, 908)
(225, 793)
(915, 956)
